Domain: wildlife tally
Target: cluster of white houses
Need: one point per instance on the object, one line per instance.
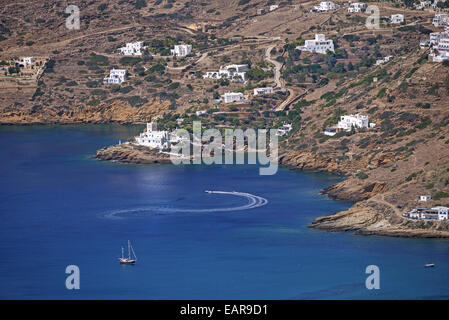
(435, 213)
(438, 41)
(233, 72)
(348, 122)
(428, 4)
(318, 45)
(135, 49)
(324, 6)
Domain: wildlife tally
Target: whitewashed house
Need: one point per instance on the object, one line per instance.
(132, 49)
(396, 18)
(435, 3)
(330, 132)
(153, 138)
(353, 120)
(284, 129)
(274, 7)
(318, 45)
(116, 76)
(27, 61)
(324, 6)
(201, 113)
(440, 20)
(443, 212)
(229, 97)
(181, 50)
(356, 7)
(422, 5)
(267, 90)
(424, 198)
(234, 72)
(384, 60)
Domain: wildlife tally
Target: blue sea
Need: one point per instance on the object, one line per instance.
(60, 207)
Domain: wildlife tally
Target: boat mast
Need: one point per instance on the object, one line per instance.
(129, 250)
(135, 257)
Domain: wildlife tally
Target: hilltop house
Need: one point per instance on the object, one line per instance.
(234, 72)
(441, 20)
(357, 121)
(356, 7)
(274, 7)
(396, 18)
(132, 49)
(153, 138)
(229, 97)
(266, 90)
(324, 6)
(424, 198)
(181, 50)
(201, 113)
(319, 45)
(116, 76)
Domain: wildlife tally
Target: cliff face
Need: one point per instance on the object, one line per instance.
(116, 111)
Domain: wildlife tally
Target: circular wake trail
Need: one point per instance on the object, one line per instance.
(253, 202)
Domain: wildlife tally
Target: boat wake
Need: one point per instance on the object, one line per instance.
(253, 202)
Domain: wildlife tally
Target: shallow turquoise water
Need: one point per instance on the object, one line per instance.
(56, 202)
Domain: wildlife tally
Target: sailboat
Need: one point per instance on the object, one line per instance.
(128, 260)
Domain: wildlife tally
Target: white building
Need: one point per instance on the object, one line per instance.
(229, 97)
(274, 7)
(116, 76)
(356, 7)
(181, 50)
(441, 20)
(153, 138)
(396, 18)
(422, 4)
(324, 6)
(284, 129)
(132, 49)
(267, 90)
(234, 72)
(384, 60)
(357, 121)
(443, 212)
(319, 45)
(27, 61)
(440, 46)
(424, 198)
(435, 3)
(201, 113)
(330, 132)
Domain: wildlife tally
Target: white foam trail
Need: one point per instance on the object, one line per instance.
(253, 202)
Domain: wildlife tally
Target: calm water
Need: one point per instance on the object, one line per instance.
(58, 207)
